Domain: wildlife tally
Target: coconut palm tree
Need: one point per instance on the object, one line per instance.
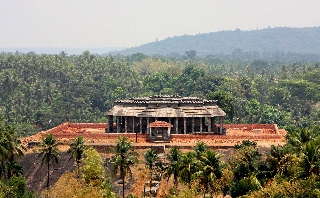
(48, 149)
(187, 167)
(124, 158)
(14, 168)
(4, 151)
(77, 148)
(245, 160)
(6, 143)
(173, 168)
(17, 148)
(300, 136)
(279, 161)
(200, 148)
(310, 159)
(151, 157)
(209, 170)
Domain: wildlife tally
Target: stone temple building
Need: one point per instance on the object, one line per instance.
(177, 115)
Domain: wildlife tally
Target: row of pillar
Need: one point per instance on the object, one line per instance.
(176, 124)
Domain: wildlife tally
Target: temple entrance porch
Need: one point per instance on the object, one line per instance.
(159, 131)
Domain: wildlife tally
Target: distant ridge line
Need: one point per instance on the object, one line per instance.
(284, 39)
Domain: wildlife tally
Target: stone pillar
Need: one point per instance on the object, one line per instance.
(221, 125)
(133, 125)
(140, 122)
(110, 123)
(209, 124)
(108, 128)
(148, 122)
(200, 124)
(118, 124)
(126, 124)
(192, 124)
(177, 125)
(185, 125)
(213, 124)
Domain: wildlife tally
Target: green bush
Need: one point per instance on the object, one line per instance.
(245, 185)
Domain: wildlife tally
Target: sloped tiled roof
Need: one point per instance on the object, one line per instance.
(159, 124)
(166, 106)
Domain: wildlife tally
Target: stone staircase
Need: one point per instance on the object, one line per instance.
(151, 190)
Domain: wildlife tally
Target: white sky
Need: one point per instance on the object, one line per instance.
(129, 23)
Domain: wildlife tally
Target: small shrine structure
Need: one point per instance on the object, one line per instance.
(159, 130)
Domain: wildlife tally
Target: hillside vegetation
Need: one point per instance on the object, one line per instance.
(281, 39)
(291, 170)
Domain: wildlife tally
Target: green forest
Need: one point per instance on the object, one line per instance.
(42, 91)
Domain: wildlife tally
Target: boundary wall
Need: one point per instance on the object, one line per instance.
(66, 125)
(61, 131)
(224, 137)
(251, 126)
(245, 127)
(268, 128)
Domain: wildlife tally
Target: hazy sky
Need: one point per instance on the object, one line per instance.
(128, 23)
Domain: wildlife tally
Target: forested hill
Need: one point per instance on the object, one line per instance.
(284, 39)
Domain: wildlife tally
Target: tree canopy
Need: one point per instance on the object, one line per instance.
(43, 91)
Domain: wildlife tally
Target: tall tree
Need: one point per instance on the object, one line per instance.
(173, 168)
(245, 160)
(17, 148)
(187, 81)
(6, 143)
(191, 54)
(209, 170)
(124, 158)
(225, 101)
(200, 149)
(49, 151)
(244, 164)
(14, 168)
(151, 158)
(299, 137)
(187, 167)
(281, 161)
(310, 159)
(77, 148)
(92, 167)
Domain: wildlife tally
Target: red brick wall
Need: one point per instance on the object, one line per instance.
(226, 137)
(272, 133)
(267, 128)
(251, 126)
(58, 128)
(88, 125)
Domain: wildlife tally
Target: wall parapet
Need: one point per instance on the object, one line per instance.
(58, 128)
(250, 127)
(222, 137)
(62, 132)
(66, 125)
